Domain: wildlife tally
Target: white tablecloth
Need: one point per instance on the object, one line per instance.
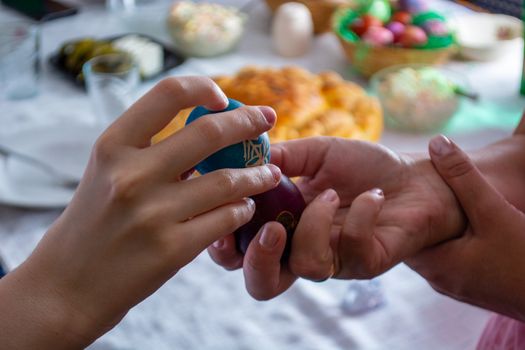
(204, 307)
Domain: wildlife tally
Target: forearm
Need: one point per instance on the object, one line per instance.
(34, 316)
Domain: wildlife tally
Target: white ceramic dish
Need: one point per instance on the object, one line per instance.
(66, 147)
(484, 36)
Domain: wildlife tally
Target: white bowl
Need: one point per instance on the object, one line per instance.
(484, 36)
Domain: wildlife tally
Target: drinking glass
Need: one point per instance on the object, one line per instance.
(19, 59)
(111, 82)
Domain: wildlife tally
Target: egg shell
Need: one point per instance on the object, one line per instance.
(413, 36)
(292, 29)
(435, 28)
(397, 29)
(283, 204)
(361, 24)
(413, 6)
(241, 155)
(380, 9)
(378, 36)
(403, 17)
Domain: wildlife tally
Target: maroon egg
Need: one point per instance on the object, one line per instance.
(397, 28)
(413, 36)
(284, 204)
(378, 36)
(362, 24)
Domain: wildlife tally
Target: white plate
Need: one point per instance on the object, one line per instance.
(64, 146)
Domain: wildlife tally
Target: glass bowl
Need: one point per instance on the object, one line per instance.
(205, 29)
(418, 97)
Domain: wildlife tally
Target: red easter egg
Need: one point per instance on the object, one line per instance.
(413, 36)
(402, 17)
(361, 24)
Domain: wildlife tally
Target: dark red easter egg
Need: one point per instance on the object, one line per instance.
(362, 24)
(284, 204)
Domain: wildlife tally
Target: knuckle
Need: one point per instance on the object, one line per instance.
(209, 129)
(458, 167)
(311, 268)
(123, 187)
(252, 119)
(237, 217)
(103, 151)
(226, 183)
(170, 87)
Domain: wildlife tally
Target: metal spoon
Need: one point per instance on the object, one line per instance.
(58, 177)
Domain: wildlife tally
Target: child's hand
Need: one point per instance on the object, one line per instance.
(134, 221)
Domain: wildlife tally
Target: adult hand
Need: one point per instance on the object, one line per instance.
(134, 220)
(368, 209)
(486, 265)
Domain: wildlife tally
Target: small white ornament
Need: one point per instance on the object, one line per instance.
(292, 29)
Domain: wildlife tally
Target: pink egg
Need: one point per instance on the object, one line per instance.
(378, 36)
(435, 27)
(413, 36)
(397, 29)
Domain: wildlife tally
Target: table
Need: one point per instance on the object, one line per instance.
(205, 307)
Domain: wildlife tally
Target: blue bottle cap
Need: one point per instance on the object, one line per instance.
(241, 155)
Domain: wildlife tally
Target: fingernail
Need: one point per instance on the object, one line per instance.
(276, 172)
(269, 114)
(219, 243)
(329, 195)
(224, 97)
(377, 192)
(268, 238)
(441, 146)
(250, 203)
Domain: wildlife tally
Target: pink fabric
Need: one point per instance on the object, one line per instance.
(502, 333)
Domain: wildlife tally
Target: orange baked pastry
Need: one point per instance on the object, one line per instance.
(306, 104)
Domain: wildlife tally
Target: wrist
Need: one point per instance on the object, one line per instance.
(446, 219)
(37, 314)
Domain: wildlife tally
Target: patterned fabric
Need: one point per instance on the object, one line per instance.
(508, 7)
(502, 333)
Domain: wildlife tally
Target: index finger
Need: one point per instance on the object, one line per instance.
(153, 111)
(302, 157)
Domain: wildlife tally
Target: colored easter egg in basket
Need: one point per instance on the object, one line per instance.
(241, 155)
(413, 36)
(361, 24)
(378, 36)
(397, 29)
(402, 17)
(380, 9)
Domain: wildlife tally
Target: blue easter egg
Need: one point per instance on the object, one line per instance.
(241, 155)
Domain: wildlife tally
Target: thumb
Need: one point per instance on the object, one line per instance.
(478, 198)
(520, 129)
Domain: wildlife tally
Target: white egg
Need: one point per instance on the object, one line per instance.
(292, 29)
